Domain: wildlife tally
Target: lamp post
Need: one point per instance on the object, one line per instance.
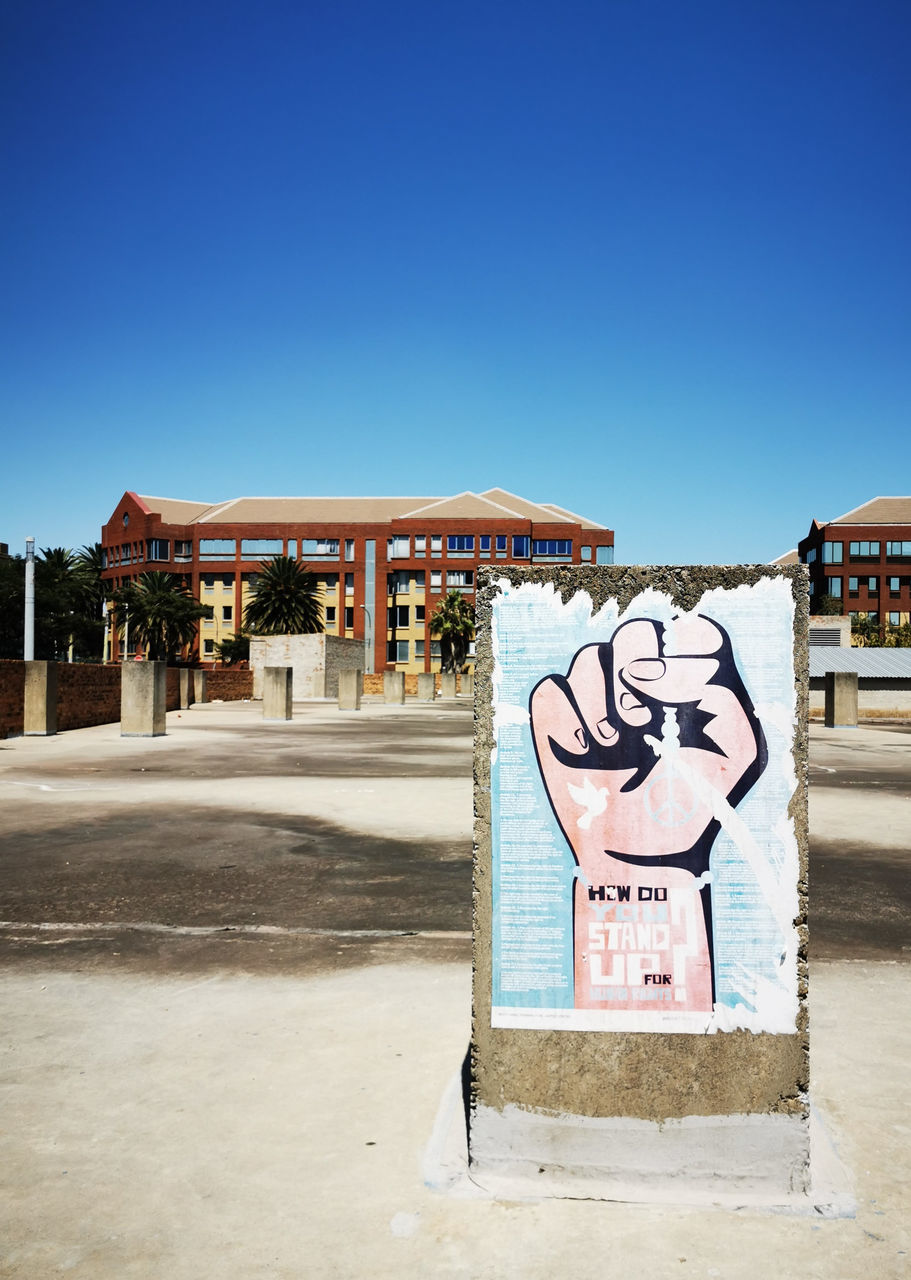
(28, 648)
(368, 640)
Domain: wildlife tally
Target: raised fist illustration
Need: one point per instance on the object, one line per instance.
(640, 746)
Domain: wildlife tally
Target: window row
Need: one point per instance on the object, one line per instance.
(892, 584)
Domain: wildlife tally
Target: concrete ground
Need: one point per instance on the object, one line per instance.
(235, 997)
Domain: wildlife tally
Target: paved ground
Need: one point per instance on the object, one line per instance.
(231, 1045)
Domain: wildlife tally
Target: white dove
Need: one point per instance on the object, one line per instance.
(592, 799)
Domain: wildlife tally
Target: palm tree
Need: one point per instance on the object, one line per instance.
(161, 613)
(93, 590)
(285, 600)
(453, 621)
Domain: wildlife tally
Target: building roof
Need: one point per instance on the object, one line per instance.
(494, 504)
(878, 511)
(882, 663)
(788, 557)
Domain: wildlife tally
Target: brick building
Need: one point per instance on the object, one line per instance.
(863, 560)
(382, 563)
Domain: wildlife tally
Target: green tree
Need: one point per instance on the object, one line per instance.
(828, 606)
(285, 600)
(865, 632)
(12, 606)
(453, 621)
(235, 649)
(161, 614)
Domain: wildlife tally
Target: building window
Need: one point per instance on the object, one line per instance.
(436, 544)
(126, 553)
(419, 613)
(604, 555)
(419, 648)
(260, 548)
(585, 553)
(349, 584)
(420, 544)
(552, 547)
(398, 548)
(436, 580)
(349, 548)
(811, 556)
(833, 587)
(872, 586)
(832, 552)
(227, 613)
(463, 578)
(485, 541)
(397, 616)
(853, 588)
(208, 582)
(349, 617)
(435, 648)
(898, 550)
(460, 542)
(183, 550)
(217, 548)
(400, 582)
(208, 648)
(893, 619)
(520, 546)
(895, 586)
(419, 580)
(396, 650)
(330, 615)
(331, 583)
(501, 542)
(864, 550)
(319, 549)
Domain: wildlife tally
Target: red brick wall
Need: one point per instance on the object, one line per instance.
(86, 695)
(12, 697)
(229, 684)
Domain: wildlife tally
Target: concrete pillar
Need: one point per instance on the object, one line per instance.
(40, 699)
(277, 693)
(640, 1020)
(447, 684)
(393, 686)
(185, 678)
(841, 699)
(200, 686)
(143, 698)
(350, 684)
(426, 686)
(466, 684)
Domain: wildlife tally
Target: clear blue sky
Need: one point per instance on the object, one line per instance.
(648, 259)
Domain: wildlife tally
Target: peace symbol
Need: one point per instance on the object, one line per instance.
(670, 800)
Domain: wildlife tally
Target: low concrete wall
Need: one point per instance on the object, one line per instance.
(314, 660)
(373, 683)
(878, 698)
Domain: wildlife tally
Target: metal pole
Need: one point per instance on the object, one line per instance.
(28, 648)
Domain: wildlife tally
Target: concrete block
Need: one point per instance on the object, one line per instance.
(185, 682)
(447, 684)
(40, 709)
(640, 934)
(40, 699)
(426, 686)
(393, 686)
(350, 687)
(143, 698)
(200, 686)
(277, 689)
(841, 700)
(466, 684)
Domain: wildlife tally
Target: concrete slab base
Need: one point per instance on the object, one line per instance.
(753, 1162)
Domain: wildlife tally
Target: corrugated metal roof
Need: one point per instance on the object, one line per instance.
(877, 663)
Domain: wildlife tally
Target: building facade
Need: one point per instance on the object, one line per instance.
(863, 560)
(383, 564)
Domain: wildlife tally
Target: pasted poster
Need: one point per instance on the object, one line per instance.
(644, 866)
